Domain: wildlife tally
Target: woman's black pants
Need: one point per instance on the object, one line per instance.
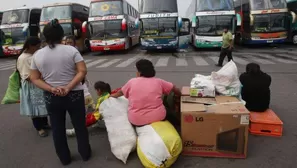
(40, 123)
(75, 105)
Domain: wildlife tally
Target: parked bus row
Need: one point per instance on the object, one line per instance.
(117, 25)
(250, 21)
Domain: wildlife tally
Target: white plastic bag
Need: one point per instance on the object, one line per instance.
(121, 134)
(226, 80)
(202, 86)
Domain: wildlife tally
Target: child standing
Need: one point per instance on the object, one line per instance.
(103, 91)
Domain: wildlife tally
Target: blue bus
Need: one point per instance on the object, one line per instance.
(161, 27)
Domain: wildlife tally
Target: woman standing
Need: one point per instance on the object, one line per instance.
(59, 69)
(32, 99)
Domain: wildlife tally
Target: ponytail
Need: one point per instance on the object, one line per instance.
(53, 33)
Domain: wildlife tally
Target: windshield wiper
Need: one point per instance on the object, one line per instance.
(164, 11)
(149, 12)
(110, 14)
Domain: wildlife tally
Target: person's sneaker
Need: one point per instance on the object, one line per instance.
(218, 65)
(70, 132)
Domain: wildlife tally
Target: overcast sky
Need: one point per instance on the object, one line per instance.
(182, 4)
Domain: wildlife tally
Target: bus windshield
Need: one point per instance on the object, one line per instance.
(261, 23)
(159, 26)
(106, 8)
(13, 36)
(268, 4)
(214, 25)
(224, 21)
(269, 22)
(15, 16)
(210, 5)
(58, 12)
(158, 6)
(206, 25)
(107, 29)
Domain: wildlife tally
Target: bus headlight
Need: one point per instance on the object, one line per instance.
(200, 41)
(173, 42)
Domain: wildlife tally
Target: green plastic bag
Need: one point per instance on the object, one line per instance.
(12, 94)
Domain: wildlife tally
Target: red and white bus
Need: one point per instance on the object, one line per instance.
(112, 25)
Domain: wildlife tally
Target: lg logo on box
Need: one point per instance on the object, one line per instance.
(189, 119)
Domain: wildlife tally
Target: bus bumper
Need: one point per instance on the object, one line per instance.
(212, 44)
(9, 52)
(266, 41)
(159, 47)
(108, 47)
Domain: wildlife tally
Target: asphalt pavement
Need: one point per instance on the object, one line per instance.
(21, 147)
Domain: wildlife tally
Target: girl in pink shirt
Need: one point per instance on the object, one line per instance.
(145, 95)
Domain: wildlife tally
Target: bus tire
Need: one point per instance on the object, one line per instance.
(130, 43)
(294, 38)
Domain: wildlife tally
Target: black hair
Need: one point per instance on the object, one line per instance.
(53, 33)
(71, 38)
(30, 41)
(253, 68)
(145, 68)
(102, 86)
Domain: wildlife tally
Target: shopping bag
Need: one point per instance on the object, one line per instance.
(12, 94)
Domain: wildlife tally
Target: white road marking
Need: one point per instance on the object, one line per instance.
(238, 60)
(286, 61)
(8, 64)
(214, 58)
(107, 64)
(288, 56)
(88, 60)
(95, 62)
(260, 60)
(200, 61)
(181, 62)
(7, 67)
(162, 62)
(128, 61)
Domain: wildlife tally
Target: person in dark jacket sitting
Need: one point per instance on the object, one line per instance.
(255, 88)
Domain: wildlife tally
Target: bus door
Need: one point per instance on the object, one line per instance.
(184, 34)
(34, 22)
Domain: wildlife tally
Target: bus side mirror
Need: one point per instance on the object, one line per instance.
(124, 24)
(293, 17)
(137, 23)
(25, 30)
(251, 20)
(180, 22)
(194, 22)
(84, 27)
(238, 18)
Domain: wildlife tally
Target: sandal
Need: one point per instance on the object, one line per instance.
(42, 133)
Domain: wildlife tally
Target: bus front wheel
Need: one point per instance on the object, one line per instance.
(294, 38)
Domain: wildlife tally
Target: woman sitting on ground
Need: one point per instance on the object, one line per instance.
(145, 95)
(255, 88)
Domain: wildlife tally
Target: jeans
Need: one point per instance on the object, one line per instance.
(75, 105)
(40, 122)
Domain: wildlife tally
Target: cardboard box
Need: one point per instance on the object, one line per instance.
(214, 127)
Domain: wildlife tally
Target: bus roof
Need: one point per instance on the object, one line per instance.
(63, 4)
(21, 8)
